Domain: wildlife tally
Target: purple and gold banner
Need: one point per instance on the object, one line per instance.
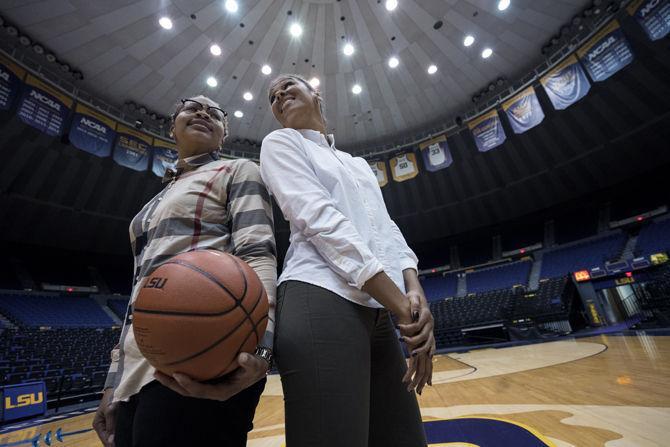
(487, 131)
(132, 148)
(523, 111)
(92, 132)
(606, 53)
(44, 107)
(404, 167)
(379, 170)
(653, 16)
(566, 83)
(165, 156)
(11, 76)
(436, 153)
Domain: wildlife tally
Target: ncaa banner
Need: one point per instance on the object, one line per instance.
(436, 154)
(566, 83)
(523, 111)
(165, 156)
(132, 148)
(653, 16)
(487, 131)
(43, 107)
(24, 400)
(404, 167)
(379, 170)
(92, 132)
(606, 53)
(11, 76)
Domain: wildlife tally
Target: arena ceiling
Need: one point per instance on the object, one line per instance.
(125, 55)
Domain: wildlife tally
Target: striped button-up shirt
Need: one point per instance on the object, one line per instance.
(207, 203)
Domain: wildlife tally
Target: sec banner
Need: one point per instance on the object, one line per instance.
(606, 53)
(165, 156)
(436, 153)
(92, 132)
(11, 76)
(132, 148)
(44, 107)
(566, 83)
(487, 131)
(653, 16)
(523, 111)
(404, 167)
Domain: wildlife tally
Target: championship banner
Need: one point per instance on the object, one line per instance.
(92, 132)
(487, 131)
(132, 148)
(404, 167)
(11, 76)
(523, 111)
(436, 153)
(379, 170)
(566, 83)
(606, 53)
(653, 16)
(165, 156)
(24, 400)
(43, 107)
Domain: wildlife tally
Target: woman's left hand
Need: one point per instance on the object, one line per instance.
(252, 369)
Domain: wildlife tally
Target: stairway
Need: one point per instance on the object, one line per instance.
(628, 251)
(462, 287)
(534, 277)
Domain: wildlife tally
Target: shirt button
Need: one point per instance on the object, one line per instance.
(160, 198)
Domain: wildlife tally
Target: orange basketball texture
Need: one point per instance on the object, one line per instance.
(196, 312)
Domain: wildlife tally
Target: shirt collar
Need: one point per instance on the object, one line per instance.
(318, 137)
(188, 164)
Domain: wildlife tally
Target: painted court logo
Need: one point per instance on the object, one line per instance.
(482, 432)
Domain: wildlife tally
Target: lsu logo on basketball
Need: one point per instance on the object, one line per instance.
(155, 283)
(24, 400)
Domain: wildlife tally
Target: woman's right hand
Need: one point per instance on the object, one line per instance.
(105, 419)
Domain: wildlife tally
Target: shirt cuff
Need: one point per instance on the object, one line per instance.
(408, 263)
(369, 270)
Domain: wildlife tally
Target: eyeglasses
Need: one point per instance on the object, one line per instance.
(192, 106)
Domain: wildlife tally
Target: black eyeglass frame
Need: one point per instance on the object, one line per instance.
(204, 107)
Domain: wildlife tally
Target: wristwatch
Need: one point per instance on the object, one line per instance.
(265, 354)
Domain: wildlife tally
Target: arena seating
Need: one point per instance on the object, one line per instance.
(499, 277)
(439, 287)
(53, 311)
(564, 260)
(653, 238)
(118, 306)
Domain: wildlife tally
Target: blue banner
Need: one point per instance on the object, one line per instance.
(606, 53)
(566, 83)
(436, 153)
(487, 131)
(523, 111)
(43, 107)
(132, 148)
(24, 400)
(165, 156)
(11, 76)
(92, 132)
(653, 16)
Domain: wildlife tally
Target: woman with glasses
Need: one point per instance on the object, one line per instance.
(207, 203)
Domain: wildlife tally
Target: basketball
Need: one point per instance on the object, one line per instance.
(196, 312)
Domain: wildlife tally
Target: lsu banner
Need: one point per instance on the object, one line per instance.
(24, 400)
(379, 170)
(436, 154)
(487, 131)
(653, 16)
(132, 148)
(404, 167)
(523, 111)
(165, 156)
(606, 53)
(11, 76)
(43, 107)
(566, 83)
(92, 132)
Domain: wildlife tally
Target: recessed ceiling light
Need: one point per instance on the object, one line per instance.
(393, 62)
(486, 53)
(432, 69)
(295, 30)
(348, 49)
(266, 69)
(391, 5)
(215, 50)
(314, 82)
(503, 4)
(238, 114)
(165, 22)
(231, 6)
(211, 81)
(356, 89)
(469, 40)
(248, 96)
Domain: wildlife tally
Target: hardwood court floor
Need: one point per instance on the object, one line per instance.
(609, 391)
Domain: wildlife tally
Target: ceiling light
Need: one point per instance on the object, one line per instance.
(348, 49)
(391, 5)
(503, 5)
(231, 6)
(248, 96)
(356, 89)
(211, 81)
(215, 50)
(314, 82)
(486, 53)
(393, 62)
(469, 40)
(266, 69)
(432, 69)
(295, 30)
(165, 22)
(238, 114)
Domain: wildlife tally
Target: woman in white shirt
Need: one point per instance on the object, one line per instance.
(344, 376)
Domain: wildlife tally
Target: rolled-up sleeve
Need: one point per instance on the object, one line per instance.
(307, 204)
(407, 258)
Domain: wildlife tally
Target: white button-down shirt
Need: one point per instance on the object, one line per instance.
(341, 232)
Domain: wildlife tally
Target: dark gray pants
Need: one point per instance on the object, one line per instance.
(341, 368)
